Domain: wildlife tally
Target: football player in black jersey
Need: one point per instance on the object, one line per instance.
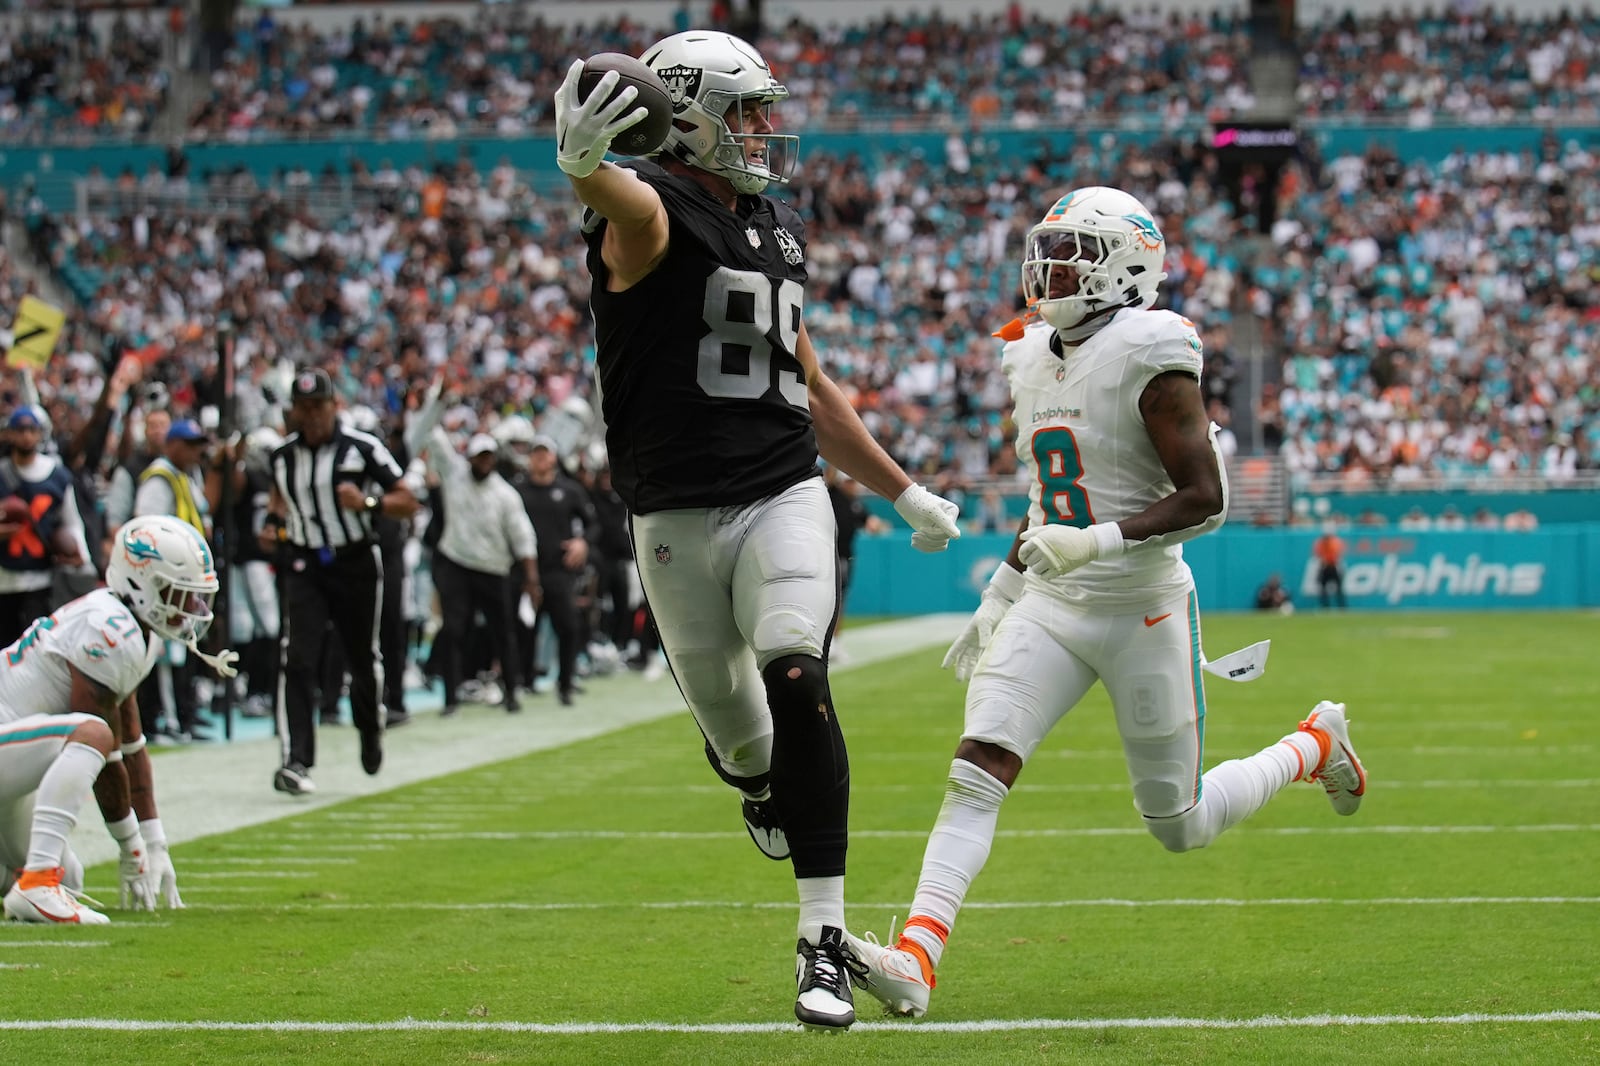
(716, 410)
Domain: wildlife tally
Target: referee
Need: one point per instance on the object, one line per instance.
(329, 483)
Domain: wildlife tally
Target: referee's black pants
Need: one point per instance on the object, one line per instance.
(344, 591)
(464, 592)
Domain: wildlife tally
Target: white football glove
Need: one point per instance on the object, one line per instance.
(135, 892)
(932, 518)
(159, 873)
(1051, 551)
(1002, 591)
(585, 127)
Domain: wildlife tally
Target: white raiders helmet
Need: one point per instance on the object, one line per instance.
(162, 569)
(707, 73)
(1110, 240)
(514, 433)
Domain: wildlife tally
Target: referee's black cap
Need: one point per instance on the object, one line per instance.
(311, 383)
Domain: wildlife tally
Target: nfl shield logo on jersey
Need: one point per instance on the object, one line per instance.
(791, 247)
(753, 235)
(663, 554)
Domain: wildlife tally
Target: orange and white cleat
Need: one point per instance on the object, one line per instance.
(38, 897)
(1339, 771)
(895, 977)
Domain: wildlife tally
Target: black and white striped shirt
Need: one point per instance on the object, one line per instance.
(308, 478)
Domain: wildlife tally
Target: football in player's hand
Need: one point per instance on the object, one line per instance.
(647, 134)
(14, 511)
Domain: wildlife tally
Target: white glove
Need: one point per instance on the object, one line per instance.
(135, 892)
(160, 876)
(1051, 551)
(1002, 591)
(932, 518)
(585, 127)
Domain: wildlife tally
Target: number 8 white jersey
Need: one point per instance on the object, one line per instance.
(96, 632)
(1083, 441)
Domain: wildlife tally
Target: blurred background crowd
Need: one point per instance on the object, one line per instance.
(1388, 319)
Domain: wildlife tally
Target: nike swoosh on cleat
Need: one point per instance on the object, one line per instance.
(1148, 621)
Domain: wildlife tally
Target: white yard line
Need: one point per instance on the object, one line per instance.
(304, 837)
(206, 789)
(411, 1025)
(971, 905)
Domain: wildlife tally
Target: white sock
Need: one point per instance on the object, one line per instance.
(62, 791)
(957, 849)
(1232, 791)
(821, 903)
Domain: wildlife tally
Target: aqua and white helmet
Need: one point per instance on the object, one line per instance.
(707, 73)
(163, 570)
(1109, 239)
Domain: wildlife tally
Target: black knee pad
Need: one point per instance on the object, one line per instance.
(806, 692)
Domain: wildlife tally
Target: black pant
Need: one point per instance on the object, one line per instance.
(463, 593)
(183, 703)
(18, 610)
(560, 605)
(392, 632)
(1330, 585)
(345, 592)
(613, 574)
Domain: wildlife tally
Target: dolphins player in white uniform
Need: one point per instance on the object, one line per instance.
(69, 723)
(1111, 423)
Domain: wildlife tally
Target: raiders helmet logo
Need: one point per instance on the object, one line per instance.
(792, 253)
(663, 554)
(683, 84)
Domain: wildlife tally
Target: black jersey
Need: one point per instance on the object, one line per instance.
(703, 397)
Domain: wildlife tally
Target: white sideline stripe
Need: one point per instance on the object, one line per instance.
(19, 966)
(277, 860)
(8, 944)
(207, 789)
(214, 875)
(234, 845)
(995, 905)
(922, 834)
(1122, 786)
(1268, 1021)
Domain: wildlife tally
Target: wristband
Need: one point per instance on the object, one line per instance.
(124, 829)
(153, 832)
(1107, 538)
(1007, 582)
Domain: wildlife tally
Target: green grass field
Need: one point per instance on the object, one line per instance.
(573, 905)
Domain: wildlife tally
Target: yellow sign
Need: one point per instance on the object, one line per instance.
(34, 333)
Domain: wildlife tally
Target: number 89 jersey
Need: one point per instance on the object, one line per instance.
(1084, 444)
(704, 400)
(96, 632)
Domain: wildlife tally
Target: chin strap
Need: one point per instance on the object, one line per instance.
(222, 662)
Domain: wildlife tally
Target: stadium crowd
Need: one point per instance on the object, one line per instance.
(1423, 317)
(438, 77)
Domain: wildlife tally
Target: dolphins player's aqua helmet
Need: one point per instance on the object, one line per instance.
(1104, 237)
(163, 570)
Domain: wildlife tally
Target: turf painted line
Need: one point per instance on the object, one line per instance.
(6, 945)
(970, 905)
(556, 835)
(206, 789)
(284, 860)
(411, 1025)
(19, 966)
